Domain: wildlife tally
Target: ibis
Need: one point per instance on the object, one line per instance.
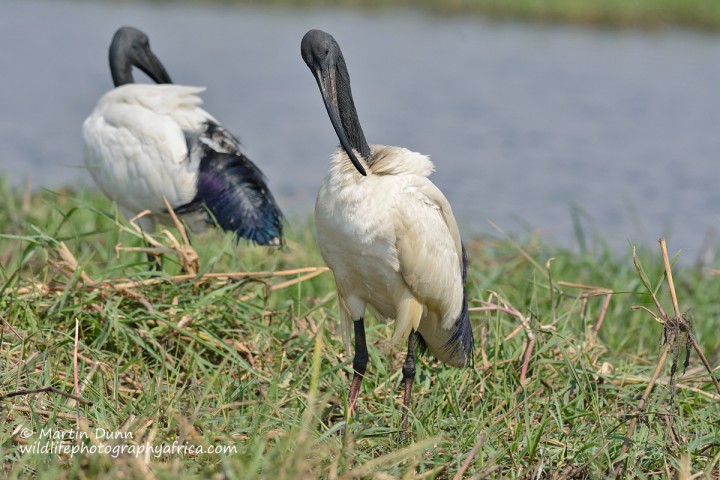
(388, 234)
(144, 142)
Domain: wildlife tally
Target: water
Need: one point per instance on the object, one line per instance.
(524, 122)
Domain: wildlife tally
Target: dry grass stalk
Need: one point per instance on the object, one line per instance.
(45, 413)
(461, 473)
(288, 283)
(185, 253)
(126, 284)
(674, 328)
(503, 306)
(69, 266)
(590, 291)
(77, 398)
(75, 370)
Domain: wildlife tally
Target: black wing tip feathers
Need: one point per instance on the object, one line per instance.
(233, 189)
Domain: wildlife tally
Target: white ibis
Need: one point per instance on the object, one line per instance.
(145, 141)
(388, 234)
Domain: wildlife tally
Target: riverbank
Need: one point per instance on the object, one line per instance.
(243, 358)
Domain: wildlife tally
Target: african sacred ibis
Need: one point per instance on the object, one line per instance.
(388, 234)
(145, 141)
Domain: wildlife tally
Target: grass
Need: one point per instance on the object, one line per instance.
(703, 14)
(254, 364)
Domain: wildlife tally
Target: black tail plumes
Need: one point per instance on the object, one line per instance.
(234, 190)
(461, 342)
(462, 336)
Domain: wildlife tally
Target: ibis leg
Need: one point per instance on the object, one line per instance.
(408, 378)
(154, 263)
(147, 226)
(359, 361)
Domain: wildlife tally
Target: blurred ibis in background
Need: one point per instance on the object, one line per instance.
(388, 234)
(146, 141)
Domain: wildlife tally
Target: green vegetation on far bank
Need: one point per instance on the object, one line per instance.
(703, 14)
(254, 364)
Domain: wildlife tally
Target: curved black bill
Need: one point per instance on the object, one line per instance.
(153, 68)
(326, 82)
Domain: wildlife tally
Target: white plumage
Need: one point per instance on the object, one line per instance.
(136, 148)
(392, 243)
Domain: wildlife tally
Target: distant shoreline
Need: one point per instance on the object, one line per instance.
(644, 14)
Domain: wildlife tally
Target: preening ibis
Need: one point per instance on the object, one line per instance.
(388, 234)
(145, 141)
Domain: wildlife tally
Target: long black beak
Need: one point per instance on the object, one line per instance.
(328, 90)
(153, 68)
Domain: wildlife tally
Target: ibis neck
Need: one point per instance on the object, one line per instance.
(120, 68)
(348, 113)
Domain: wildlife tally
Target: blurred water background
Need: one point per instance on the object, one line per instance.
(529, 125)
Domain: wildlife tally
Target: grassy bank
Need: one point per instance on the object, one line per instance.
(704, 14)
(253, 362)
